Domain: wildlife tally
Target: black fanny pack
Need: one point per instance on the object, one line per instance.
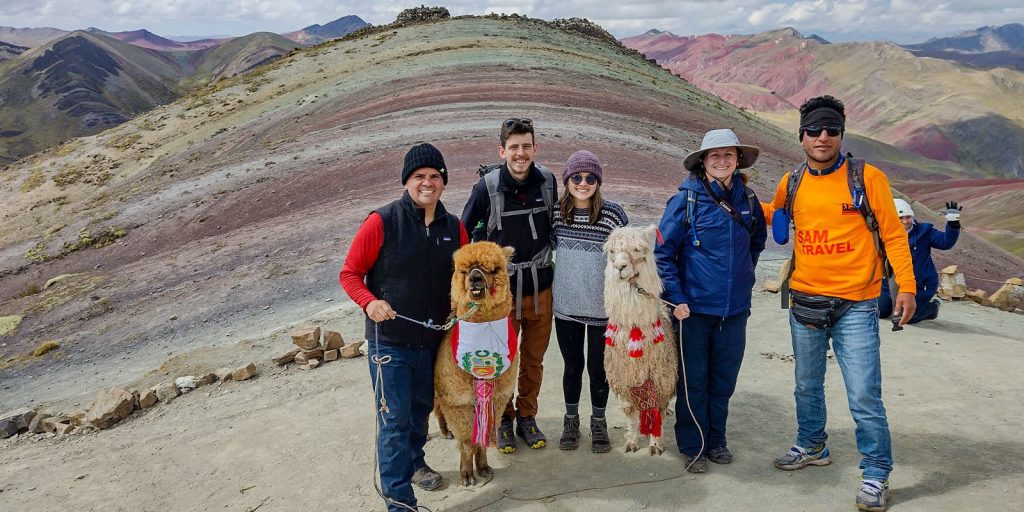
(818, 311)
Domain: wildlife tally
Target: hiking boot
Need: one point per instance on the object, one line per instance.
(570, 439)
(720, 455)
(427, 479)
(798, 457)
(697, 464)
(506, 436)
(526, 427)
(874, 496)
(938, 304)
(599, 441)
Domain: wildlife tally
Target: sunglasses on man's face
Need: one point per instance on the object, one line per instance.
(509, 122)
(576, 179)
(815, 131)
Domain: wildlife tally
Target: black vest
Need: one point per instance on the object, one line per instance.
(413, 272)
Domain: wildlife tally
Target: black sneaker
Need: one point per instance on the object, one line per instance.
(526, 427)
(570, 439)
(599, 441)
(427, 479)
(696, 464)
(506, 436)
(720, 455)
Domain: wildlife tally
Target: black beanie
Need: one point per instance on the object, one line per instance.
(424, 155)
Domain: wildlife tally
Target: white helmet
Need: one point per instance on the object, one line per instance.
(903, 208)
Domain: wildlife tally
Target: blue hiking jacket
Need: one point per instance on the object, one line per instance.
(716, 277)
(923, 237)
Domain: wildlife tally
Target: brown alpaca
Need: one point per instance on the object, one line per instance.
(480, 278)
(632, 291)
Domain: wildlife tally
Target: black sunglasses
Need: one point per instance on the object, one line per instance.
(576, 179)
(511, 121)
(815, 131)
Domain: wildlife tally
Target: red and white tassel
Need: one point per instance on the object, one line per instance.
(483, 413)
(659, 333)
(636, 339)
(609, 335)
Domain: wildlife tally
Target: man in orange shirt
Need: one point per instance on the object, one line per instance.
(838, 269)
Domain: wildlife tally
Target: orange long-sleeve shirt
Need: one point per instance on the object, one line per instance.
(833, 248)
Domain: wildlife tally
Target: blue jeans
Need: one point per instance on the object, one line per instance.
(856, 342)
(407, 384)
(712, 352)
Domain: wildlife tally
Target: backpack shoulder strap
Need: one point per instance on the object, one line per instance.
(752, 202)
(691, 206)
(792, 184)
(858, 191)
(548, 191)
(497, 202)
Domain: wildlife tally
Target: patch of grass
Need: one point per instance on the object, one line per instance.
(68, 175)
(59, 295)
(123, 142)
(87, 239)
(34, 180)
(67, 148)
(45, 347)
(8, 324)
(30, 290)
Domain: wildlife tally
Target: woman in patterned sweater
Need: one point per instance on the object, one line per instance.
(582, 224)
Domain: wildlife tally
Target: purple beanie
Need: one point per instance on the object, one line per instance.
(582, 161)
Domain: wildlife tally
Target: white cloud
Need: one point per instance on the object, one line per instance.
(898, 20)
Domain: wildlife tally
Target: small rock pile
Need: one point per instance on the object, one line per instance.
(587, 28)
(422, 14)
(112, 405)
(311, 351)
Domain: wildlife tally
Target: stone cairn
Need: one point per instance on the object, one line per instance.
(311, 351)
(112, 405)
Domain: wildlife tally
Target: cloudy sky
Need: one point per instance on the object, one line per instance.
(901, 21)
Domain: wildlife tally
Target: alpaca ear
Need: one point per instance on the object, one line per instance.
(509, 252)
(651, 232)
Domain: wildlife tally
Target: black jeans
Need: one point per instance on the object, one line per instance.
(572, 336)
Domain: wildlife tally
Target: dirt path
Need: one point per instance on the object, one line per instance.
(293, 440)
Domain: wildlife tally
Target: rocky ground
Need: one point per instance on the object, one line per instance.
(291, 439)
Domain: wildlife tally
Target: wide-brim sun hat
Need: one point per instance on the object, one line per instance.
(724, 138)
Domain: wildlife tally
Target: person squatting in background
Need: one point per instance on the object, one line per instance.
(923, 237)
(713, 230)
(583, 221)
(400, 260)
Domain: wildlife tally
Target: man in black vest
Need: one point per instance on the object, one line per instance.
(400, 262)
(521, 220)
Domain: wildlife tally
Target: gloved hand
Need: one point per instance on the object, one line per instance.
(953, 211)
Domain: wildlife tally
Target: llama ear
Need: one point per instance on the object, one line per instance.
(509, 252)
(651, 232)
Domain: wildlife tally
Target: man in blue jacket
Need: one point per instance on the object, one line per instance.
(923, 237)
(714, 232)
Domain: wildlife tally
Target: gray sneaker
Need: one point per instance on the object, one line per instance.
(874, 496)
(599, 440)
(570, 439)
(526, 427)
(506, 435)
(799, 457)
(427, 479)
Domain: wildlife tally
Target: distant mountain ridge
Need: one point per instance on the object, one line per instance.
(938, 109)
(56, 85)
(984, 48)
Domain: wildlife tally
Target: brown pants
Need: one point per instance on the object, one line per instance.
(534, 332)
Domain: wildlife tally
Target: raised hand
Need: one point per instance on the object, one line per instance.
(953, 211)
